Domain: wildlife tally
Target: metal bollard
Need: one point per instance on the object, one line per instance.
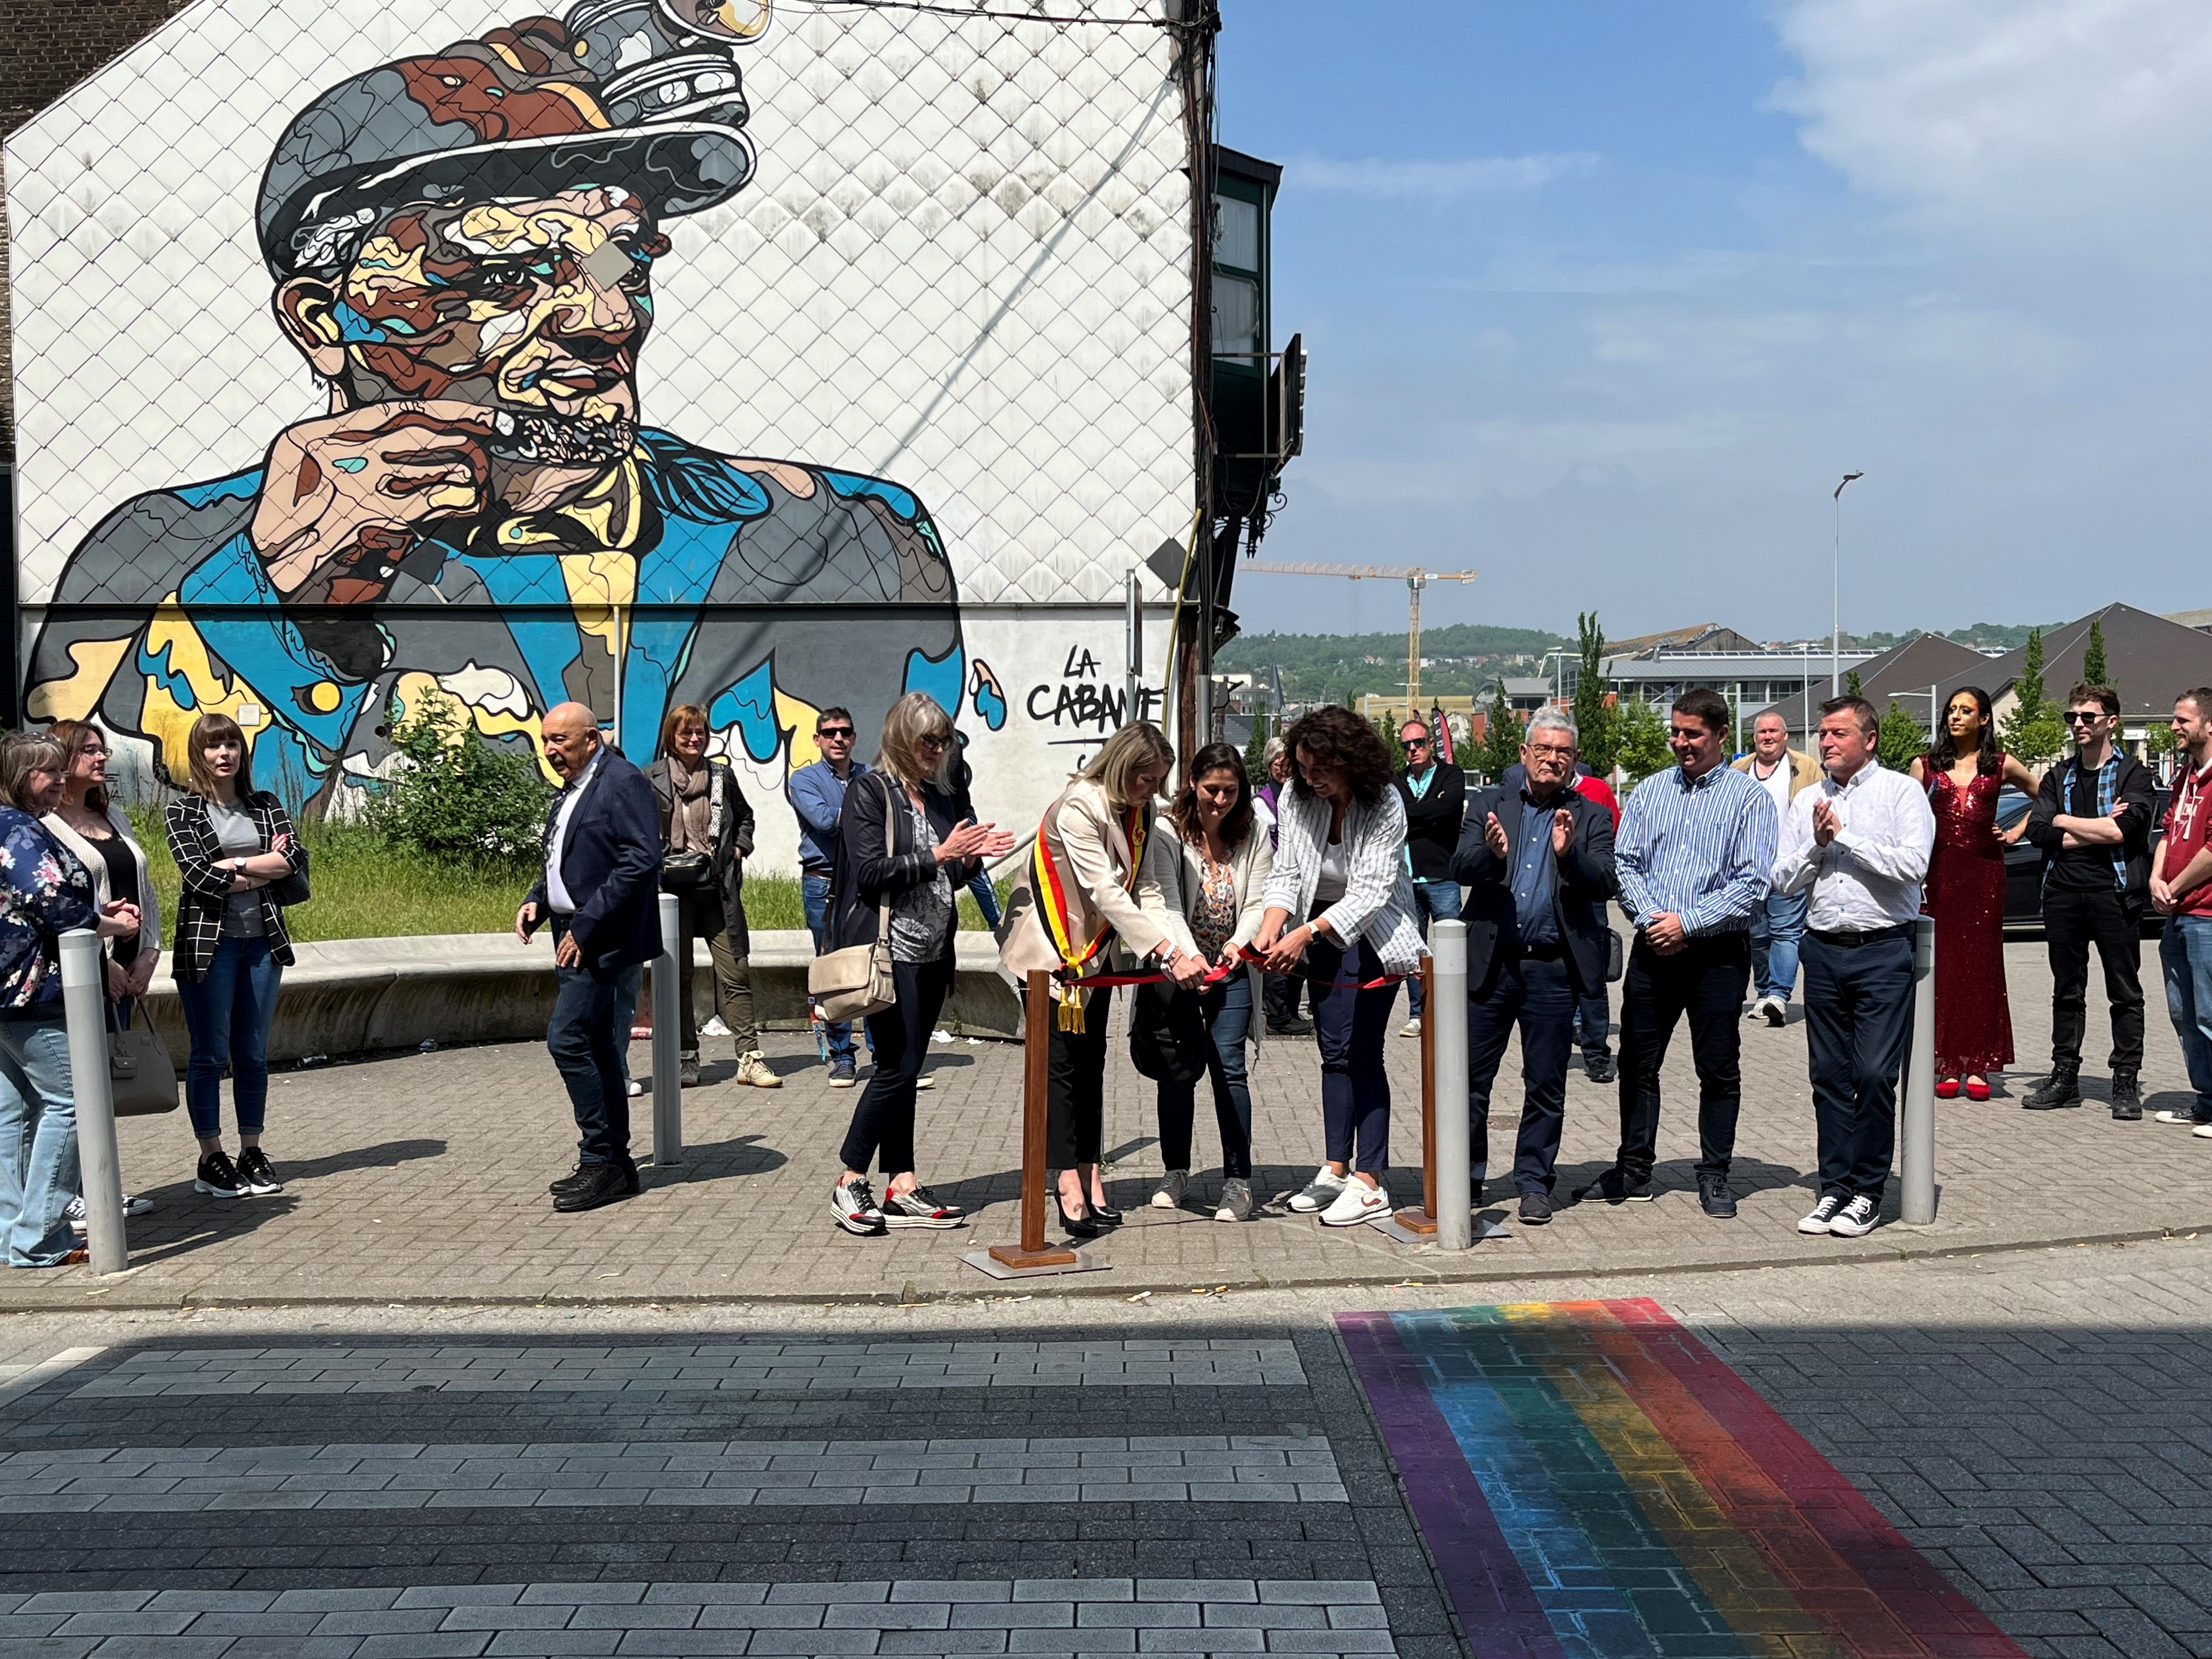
(84, 1002)
(1447, 1007)
(1917, 1163)
(667, 1037)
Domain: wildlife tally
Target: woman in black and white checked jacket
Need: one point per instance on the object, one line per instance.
(1339, 897)
(230, 841)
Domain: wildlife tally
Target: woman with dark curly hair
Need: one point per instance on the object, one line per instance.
(1338, 898)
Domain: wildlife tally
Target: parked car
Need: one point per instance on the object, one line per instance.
(2024, 863)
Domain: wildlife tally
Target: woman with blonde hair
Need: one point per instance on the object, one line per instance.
(43, 893)
(1084, 899)
(908, 840)
(231, 842)
(706, 836)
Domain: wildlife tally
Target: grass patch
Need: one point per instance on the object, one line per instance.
(365, 889)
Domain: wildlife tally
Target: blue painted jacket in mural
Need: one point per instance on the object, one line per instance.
(760, 590)
(44, 892)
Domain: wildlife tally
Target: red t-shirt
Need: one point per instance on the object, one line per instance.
(2188, 826)
(1592, 787)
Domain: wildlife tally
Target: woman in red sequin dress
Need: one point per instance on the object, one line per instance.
(1963, 771)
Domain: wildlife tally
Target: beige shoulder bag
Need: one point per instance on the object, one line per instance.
(856, 981)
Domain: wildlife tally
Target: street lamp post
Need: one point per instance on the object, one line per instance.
(1836, 634)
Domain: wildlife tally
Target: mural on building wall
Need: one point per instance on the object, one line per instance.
(462, 245)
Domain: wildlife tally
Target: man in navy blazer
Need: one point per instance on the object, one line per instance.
(1537, 861)
(599, 890)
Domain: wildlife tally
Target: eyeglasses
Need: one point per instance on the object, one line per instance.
(2078, 717)
(1546, 752)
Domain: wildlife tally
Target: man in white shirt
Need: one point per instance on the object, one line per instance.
(1859, 840)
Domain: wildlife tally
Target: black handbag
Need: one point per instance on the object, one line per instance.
(1168, 1039)
(685, 873)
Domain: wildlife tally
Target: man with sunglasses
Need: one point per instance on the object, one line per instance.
(2093, 821)
(1435, 794)
(817, 796)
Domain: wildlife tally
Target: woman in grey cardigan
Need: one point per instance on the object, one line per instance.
(1339, 900)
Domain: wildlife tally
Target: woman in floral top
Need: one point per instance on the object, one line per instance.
(1211, 861)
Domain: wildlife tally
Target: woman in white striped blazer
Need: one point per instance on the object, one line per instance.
(1338, 897)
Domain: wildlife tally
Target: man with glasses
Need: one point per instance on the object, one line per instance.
(1434, 794)
(818, 796)
(1537, 857)
(2093, 821)
(1695, 845)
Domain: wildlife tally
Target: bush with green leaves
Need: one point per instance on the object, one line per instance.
(1643, 737)
(454, 795)
(1899, 740)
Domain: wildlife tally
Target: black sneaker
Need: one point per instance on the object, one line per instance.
(575, 1178)
(1291, 1027)
(1855, 1219)
(1715, 1199)
(918, 1209)
(256, 1174)
(2127, 1097)
(1535, 1209)
(1600, 1068)
(217, 1176)
(1615, 1186)
(1822, 1215)
(609, 1184)
(2062, 1088)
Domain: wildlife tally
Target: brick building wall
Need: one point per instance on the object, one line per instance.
(47, 46)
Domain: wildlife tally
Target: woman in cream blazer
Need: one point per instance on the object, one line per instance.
(94, 828)
(1210, 858)
(1085, 899)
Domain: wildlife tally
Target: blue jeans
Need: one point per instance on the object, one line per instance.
(987, 898)
(2185, 952)
(1777, 933)
(1433, 901)
(1537, 997)
(814, 893)
(228, 1014)
(37, 1141)
(1349, 1025)
(1228, 1009)
(587, 1048)
(1593, 1023)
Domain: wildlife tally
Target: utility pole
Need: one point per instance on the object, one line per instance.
(1835, 637)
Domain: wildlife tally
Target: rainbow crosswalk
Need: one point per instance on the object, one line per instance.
(1593, 1482)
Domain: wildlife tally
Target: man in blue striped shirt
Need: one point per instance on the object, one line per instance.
(1695, 845)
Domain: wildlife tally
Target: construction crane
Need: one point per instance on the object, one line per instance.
(1415, 578)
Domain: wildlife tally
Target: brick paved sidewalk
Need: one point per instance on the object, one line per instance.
(423, 1177)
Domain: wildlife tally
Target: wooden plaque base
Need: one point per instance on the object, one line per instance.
(1416, 1221)
(1053, 1255)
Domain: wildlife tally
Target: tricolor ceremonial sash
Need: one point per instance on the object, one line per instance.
(1060, 920)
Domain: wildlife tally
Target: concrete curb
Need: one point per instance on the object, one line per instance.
(360, 996)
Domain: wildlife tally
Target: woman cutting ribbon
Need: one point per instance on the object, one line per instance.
(1084, 901)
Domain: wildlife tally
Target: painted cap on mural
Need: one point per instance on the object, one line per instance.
(644, 95)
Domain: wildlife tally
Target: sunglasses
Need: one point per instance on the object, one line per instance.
(2076, 718)
(1416, 743)
(932, 741)
(827, 732)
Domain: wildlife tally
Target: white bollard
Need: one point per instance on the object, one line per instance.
(1448, 1008)
(85, 1004)
(667, 1038)
(1917, 1160)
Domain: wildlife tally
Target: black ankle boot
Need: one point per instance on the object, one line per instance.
(2127, 1097)
(2062, 1088)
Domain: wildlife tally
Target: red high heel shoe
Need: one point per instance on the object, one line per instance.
(1977, 1089)
(1946, 1088)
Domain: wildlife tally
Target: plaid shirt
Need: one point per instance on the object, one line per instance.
(195, 846)
(2108, 783)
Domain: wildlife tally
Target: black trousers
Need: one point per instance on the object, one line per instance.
(2074, 920)
(1537, 996)
(1706, 980)
(882, 1118)
(1858, 1017)
(1075, 1085)
(1279, 996)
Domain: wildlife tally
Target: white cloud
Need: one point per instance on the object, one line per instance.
(1469, 175)
(2081, 126)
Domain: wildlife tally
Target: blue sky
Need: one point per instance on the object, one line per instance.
(1602, 298)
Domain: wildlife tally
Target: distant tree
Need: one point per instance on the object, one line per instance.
(2093, 659)
(1255, 750)
(1642, 748)
(2158, 738)
(1501, 743)
(1852, 686)
(1899, 740)
(1594, 721)
(1387, 729)
(2033, 733)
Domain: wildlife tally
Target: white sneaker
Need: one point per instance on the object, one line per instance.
(2187, 1119)
(1321, 1192)
(1855, 1219)
(633, 1088)
(1822, 1215)
(925, 1081)
(1778, 1012)
(1358, 1203)
(1172, 1187)
(1411, 1028)
(2203, 1132)
(716, 1027)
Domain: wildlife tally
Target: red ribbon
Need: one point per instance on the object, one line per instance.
(1215, 976)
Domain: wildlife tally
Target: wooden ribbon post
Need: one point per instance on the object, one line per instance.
(1036, 1038)
(1423, 1220)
